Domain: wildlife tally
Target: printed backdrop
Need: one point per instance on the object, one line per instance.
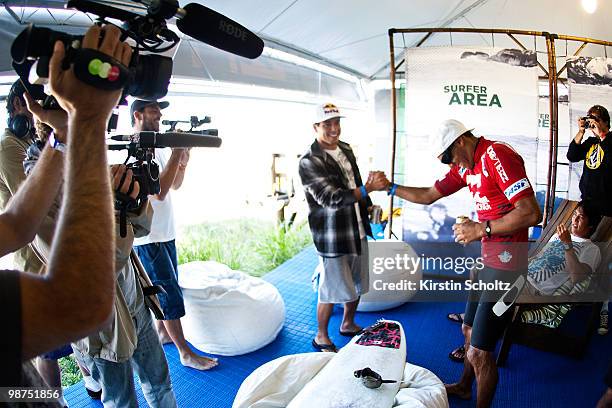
(492, 90)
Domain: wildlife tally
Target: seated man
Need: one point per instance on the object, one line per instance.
(563, 267)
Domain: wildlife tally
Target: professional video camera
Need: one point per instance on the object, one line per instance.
(141, 146)
(194, 122)
(147, 76)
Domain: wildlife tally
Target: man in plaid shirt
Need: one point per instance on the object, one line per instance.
(338, 203)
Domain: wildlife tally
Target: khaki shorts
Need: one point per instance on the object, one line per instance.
(345, 278)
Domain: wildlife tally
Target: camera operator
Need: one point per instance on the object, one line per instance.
(13, 145)
(597, 155)
(157, 251)
(75, 297)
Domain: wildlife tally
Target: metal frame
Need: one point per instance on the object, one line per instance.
(551, 74)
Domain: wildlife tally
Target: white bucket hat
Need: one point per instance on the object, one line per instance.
(326, 111)
(447, 133)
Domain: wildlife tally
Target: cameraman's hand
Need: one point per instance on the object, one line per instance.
(77, 97)
(117, 172)
(56, 118)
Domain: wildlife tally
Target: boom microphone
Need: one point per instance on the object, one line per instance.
(169, 139)
(215, 29)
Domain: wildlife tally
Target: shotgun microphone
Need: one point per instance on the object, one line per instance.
(215, 29)
(169, 139)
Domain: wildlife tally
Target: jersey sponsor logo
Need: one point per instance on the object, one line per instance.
(594, 157)
(482, 203)
(474, 180)
(498, 166)
(483, 166)
(505, 257)
(514, 189)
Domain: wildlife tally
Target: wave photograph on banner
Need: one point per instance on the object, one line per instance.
(494, 91)
(590, 83)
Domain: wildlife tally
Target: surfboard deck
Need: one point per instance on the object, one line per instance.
(381, 347)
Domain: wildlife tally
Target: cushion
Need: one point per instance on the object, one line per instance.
(228, 312)
(420, 388)
(275, 383)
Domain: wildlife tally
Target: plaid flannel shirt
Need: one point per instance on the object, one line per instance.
(332, 217)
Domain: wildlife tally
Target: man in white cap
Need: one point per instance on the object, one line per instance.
(506, 207)
(338, 218)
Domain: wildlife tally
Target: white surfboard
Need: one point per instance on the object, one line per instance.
(381, 347)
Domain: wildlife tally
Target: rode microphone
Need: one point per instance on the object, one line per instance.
(215, 29)
(167, 139)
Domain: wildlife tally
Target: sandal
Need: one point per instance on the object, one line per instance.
(457, 354)
(455, 317)
(328, 348)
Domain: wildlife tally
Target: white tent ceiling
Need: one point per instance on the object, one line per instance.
(352, 34)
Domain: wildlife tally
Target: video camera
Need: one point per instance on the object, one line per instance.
(141, 146)
(147, 76)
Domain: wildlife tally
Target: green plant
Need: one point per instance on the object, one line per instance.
(70, 371)
(246, 245)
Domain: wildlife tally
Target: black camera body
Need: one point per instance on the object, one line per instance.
(147, 176)
(146, 76)
(589, 124)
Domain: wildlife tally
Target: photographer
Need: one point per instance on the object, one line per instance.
(157, 251)
(597, 155)
(75, 297)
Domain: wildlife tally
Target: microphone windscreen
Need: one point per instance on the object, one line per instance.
(215, 29)
(180, 139)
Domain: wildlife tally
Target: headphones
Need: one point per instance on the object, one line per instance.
(21, 126)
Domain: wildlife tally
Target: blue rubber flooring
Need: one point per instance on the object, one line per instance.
(530, 379)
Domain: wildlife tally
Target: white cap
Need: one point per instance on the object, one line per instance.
(447, 133)
(326, 111)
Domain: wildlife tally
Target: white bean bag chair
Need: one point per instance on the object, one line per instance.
(277, 382)
(228, 312)
(377, 300)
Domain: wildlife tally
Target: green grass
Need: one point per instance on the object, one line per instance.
(245, 245)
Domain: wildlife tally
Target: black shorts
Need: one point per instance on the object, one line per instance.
(608, 379)
(486, 326)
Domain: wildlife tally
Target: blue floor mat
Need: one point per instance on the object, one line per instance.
(530, 378)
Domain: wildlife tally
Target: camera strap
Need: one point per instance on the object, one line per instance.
(100, 70)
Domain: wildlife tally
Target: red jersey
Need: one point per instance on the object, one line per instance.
(497, 181)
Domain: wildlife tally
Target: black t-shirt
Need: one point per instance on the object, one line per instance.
(596, 180)
(10, 349)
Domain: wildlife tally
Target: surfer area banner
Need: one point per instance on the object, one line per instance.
(493, 90)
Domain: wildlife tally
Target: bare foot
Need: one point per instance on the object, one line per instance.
(458, 391)
(350, 328)
(197, 362)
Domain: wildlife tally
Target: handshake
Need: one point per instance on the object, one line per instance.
(377, 181)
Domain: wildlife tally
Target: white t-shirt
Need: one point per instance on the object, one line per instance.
(338, 155)
(162, 226)
(547, 272)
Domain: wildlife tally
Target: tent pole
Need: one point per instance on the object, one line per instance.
(394, 127)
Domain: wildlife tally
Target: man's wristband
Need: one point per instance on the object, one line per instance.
(392, 190)
(56, 144)
(364, 192)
